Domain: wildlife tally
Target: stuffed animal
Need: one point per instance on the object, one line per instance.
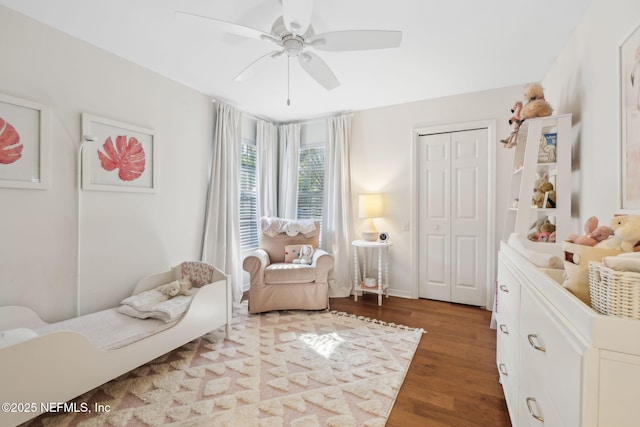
(593, 233)
(177, 287)
(542, 231)
(515, 121)
(306, 251)
(535, 104)
(544, 190)
(292, 229)
(626, 233)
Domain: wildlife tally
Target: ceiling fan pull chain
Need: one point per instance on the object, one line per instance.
(288, 79)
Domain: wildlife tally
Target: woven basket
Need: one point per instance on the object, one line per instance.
(614, 292)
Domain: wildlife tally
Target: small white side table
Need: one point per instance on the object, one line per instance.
(383, 254)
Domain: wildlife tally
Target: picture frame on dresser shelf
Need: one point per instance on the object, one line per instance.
(629, 74)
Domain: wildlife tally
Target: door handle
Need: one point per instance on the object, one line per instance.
(504, 288)
(504, 329)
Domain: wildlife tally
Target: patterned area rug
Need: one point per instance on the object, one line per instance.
(289, 368)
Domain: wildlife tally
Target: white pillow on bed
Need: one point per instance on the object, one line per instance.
(153, 304)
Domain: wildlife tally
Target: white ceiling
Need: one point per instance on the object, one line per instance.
(448, 47)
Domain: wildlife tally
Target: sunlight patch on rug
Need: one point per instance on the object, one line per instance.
(288, 368)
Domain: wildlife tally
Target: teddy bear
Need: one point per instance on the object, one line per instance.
(626, 233)
(515, 121)
(306, 251)
(545, 189)
(177, 287)
(542, 231)
(593, 233)
(535, 104)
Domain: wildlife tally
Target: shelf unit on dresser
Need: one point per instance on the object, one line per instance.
(526, 169)
(560, 362)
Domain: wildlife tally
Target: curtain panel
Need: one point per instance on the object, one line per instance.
(289, 161)
(221, 246)
(338, 223)
(267, 168)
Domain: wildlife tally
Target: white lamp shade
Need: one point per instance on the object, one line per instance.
(370, 206)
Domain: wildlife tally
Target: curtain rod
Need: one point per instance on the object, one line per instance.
(266, 119)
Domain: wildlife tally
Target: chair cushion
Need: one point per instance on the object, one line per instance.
(281, 273)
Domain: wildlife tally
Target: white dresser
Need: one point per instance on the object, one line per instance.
(561, 363)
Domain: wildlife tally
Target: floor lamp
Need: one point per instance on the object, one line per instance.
(85, 139)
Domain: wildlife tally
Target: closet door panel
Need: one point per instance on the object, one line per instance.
(468, 219)
(435, 235)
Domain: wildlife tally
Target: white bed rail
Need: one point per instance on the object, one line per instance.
(60, 366)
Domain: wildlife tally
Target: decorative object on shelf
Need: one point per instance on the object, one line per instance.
(629, 66)
(370, 207)
(370, 282)
(383, 237)
(626, 233)
(535, 104)
(123, 160)
(547, 149)
(24, 150)
(515, 121)
(593, 233)
(542, 231)
(544, 196)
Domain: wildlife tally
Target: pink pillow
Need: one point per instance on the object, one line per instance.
(291, 252)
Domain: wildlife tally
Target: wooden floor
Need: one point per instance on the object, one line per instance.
(453, 379)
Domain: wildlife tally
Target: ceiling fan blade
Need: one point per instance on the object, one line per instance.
(356, 40)
(297, 15)
(318, 70)
(224, 26)
(250, 69)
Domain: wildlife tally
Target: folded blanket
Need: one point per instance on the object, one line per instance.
(154, 304)
(273, 225)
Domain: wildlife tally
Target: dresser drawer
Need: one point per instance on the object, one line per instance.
(535, 405)
(507, 362)
(552, 354)
(508, 288)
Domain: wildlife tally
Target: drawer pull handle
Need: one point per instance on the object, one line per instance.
(503, 288)
(503, 369)
(531, 338)
(504, 329)
(530, 401)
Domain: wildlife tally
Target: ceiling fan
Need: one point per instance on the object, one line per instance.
(293, 34)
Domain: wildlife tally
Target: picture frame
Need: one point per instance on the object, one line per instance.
(24, 145)
(124, 157)
(629, 67)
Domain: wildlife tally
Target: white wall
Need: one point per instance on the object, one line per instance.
(124, 236)
(381, 159)
(584, 81)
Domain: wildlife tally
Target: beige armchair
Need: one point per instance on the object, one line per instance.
(280, 285)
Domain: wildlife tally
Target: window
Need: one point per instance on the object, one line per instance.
(248, 196)
(311, 182)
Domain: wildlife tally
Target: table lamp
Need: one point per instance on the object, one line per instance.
(370, 207)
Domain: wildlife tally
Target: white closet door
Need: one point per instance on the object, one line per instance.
(453, 216)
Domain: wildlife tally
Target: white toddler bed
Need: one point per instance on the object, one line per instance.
(43, 363)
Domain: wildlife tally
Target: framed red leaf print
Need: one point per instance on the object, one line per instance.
(24, 158)
(123, 157)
